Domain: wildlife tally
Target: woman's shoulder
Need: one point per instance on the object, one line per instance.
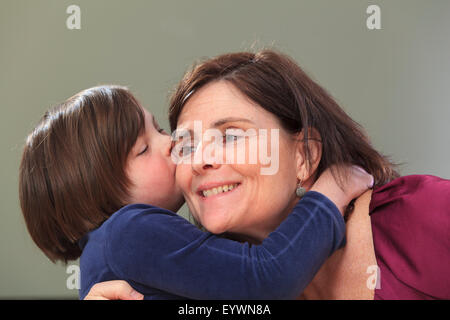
(416, 202)
(410, 219)
(412, 192)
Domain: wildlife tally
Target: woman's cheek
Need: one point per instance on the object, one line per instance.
(182, 178)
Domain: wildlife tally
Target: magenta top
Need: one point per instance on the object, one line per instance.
(411, 233)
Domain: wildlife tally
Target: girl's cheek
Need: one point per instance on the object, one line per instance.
(180, 175)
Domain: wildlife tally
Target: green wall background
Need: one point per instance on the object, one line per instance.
(394, 81)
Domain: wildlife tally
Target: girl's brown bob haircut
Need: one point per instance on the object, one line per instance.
(72, 174)
(276, 83)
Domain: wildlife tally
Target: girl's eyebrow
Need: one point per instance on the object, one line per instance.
(221, 122)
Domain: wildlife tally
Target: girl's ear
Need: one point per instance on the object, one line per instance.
(308, 153)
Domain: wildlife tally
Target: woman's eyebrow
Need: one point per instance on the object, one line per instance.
(221, 122)
(215, 124)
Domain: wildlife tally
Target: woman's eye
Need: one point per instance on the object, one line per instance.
(228, 137)
(183, 148)
(186, 150)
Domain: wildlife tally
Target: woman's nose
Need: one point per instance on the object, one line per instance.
(202, 162)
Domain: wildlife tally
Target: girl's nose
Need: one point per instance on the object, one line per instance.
(166, 144)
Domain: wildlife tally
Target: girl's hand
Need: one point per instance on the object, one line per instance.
(113, 290)
(356, 181)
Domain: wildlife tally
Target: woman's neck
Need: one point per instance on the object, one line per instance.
(347, 274)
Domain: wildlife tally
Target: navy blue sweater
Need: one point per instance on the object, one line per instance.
(163, 256)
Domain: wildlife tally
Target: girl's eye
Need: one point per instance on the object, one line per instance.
(161, 130)
(143, 151)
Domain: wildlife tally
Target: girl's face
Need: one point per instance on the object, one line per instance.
(257, 203)
(151, 169)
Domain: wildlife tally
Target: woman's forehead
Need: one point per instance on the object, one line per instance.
(215, 102)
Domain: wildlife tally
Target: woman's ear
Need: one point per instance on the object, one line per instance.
(308, 153)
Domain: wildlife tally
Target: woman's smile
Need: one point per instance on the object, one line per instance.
(217, 190)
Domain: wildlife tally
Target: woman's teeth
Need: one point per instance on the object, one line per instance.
(217, 190)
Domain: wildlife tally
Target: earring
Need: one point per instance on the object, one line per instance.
(300, 191)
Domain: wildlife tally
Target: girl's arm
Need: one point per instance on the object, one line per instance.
(159, 249)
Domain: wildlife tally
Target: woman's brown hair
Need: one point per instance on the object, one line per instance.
(72, 174)
(276, 83)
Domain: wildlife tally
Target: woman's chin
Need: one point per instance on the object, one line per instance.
(223, 219)
(214, 226)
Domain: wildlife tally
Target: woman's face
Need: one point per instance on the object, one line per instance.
(257, 203)
(151, 170)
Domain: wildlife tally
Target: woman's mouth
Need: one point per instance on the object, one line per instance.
(222, 189)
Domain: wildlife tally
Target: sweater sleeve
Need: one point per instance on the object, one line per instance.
(162, 250)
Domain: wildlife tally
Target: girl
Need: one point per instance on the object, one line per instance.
(97, 181)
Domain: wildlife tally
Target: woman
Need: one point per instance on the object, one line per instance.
(399, 233)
